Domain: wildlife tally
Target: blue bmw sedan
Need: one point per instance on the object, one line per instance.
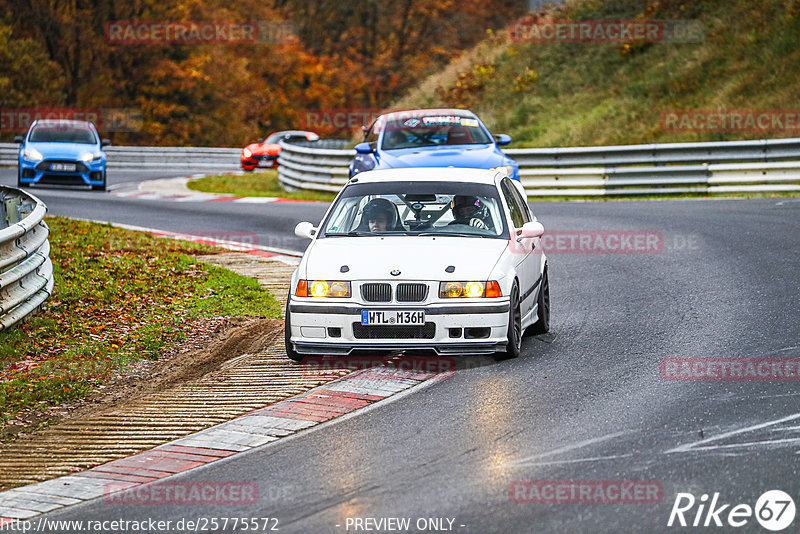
(64, 152)
(432, 138)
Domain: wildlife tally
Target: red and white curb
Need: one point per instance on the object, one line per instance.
(290, 257)
(344, 396)
(175, 190)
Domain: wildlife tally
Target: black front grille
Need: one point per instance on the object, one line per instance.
(426, 331)
(411, 292)
(62, 179)
(45, 165)
(375, 292)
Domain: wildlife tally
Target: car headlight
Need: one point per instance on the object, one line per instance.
(452, 290)
(323, 288)
(246, 153)
(86, 157)
(507, 169)
(32, 154)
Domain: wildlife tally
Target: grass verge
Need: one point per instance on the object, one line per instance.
(254, 184)
(120, 296)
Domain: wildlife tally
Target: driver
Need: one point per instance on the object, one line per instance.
(468, 210)
(380, 214)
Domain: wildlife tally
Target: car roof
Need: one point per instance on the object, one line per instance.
(430, 174)
(65, 122)
(426, 112)
(291, 132)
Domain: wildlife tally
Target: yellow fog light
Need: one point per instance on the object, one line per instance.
(473, 289)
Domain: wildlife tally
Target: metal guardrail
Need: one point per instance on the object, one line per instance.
(26, 272)
(153, 157)
(767, 165)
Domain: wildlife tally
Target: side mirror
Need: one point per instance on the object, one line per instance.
(363, 148)
(502, 139)
(530, 229)
(105, 142)
(19, 139)
(260, 140)
(305, 229)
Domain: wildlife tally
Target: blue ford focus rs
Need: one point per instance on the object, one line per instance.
(64, 152)
(432, 138)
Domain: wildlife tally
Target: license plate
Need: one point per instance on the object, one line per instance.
(392, 317)
(63, 167)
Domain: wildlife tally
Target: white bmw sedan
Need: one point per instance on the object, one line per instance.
(440, 259)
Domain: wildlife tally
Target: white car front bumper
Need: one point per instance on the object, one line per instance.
(472, 327)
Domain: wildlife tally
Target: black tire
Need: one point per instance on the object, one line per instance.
(19, 178)
(542, 325)
(514, 346)
(101, 187)
(290, 352)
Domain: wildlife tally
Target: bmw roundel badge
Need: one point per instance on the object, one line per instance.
(395, 272)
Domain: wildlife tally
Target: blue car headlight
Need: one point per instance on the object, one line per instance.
(507, 169)
(32, 154)
(87, 157)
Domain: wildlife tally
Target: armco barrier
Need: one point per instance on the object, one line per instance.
(26, 272)
(767, 165)
(153, 157)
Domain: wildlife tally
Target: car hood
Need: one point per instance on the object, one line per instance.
(417, 258)
(475, 156)
(268, 148)
(62, 150)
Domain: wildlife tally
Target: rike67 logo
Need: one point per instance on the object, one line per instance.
(774, 510)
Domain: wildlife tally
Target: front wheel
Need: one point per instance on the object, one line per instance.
(290, 352)
(542, 325)
(100, 187)
(514, 346)
(19, 178)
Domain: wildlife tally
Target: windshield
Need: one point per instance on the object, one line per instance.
(63, 134)
(417, 208)
(274, 138)
(433, 130)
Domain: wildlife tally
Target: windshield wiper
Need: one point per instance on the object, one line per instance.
(353, 233)
(452, 234)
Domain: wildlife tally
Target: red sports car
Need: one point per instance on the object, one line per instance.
(264, 153)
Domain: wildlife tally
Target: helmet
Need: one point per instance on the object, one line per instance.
(460, 202)
(380, 207)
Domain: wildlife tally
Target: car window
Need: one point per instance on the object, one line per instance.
(515, 210)
(374, 132)
(62, 134)
(522, 203)
(274, 138)
(417, 208)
